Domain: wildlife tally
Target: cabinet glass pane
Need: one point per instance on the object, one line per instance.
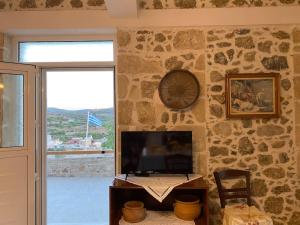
(11, 110)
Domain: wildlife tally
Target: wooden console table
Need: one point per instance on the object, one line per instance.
(122, 191)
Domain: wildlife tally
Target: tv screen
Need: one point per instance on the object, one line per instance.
(146, 152)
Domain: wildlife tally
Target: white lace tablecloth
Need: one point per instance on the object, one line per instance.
(159, 218)
(245, 215)
(159, 186)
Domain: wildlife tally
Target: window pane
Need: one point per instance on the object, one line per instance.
(87, 51)
(11, 110)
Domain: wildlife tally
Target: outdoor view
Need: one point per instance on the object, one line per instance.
(80, 111)
(88, 129)
(80, 146)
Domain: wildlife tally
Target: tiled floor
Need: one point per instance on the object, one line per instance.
(78, 200)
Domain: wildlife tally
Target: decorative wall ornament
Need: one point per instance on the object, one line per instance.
(252, 95)
(179, 89)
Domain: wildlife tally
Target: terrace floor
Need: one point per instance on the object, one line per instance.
(78, 200)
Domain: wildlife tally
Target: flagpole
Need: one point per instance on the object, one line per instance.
(87, 128)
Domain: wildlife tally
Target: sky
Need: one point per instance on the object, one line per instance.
(74, 90)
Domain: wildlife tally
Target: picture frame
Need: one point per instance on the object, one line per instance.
(252, 95)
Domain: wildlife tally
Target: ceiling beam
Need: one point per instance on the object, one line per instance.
(96, 21)
(122, 8)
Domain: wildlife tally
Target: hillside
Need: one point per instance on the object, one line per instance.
(67, 124)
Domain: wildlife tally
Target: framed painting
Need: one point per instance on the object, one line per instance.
(252, 95)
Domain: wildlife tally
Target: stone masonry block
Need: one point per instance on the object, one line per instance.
(201, 78)
(298, 136)
(203, 164)
(296, 36)
(2, 40)
(297, 88)
(297, 112)
(296, 59)
(298, 163)
(198, 110)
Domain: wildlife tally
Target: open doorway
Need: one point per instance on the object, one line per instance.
(80, 145)
(76, 142)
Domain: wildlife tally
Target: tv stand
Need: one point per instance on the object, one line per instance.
(122, 191)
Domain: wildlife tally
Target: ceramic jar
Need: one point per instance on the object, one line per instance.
(187, 207)
(134, 211)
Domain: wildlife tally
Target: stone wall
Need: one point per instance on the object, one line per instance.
(15, 5)
(7, 5)
(5, 47)
(144, 56)
(81, 167)
(2, 36)
(264, 146)
(296, 57)
(182, 4)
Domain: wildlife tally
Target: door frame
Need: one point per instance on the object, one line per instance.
(40, 96)
(42, 214)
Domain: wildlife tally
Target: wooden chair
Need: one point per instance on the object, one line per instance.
(233, 193)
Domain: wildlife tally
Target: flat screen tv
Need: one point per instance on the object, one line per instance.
(148, 152)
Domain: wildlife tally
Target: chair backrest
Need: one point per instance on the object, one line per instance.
(233, 193)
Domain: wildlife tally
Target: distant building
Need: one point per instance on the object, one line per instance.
(53, 144)
(97, 144)
(75, 141)
(88, 141)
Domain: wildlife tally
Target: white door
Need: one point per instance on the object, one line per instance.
(17, 144)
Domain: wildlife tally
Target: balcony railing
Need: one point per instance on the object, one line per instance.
(81, 163)
(80, 152)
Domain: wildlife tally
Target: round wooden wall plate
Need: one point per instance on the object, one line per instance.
(179, 89)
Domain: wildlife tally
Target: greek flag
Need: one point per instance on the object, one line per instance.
(94, 120)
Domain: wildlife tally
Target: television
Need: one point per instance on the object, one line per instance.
(151, 152)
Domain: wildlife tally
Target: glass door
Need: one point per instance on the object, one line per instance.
(17, 143)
